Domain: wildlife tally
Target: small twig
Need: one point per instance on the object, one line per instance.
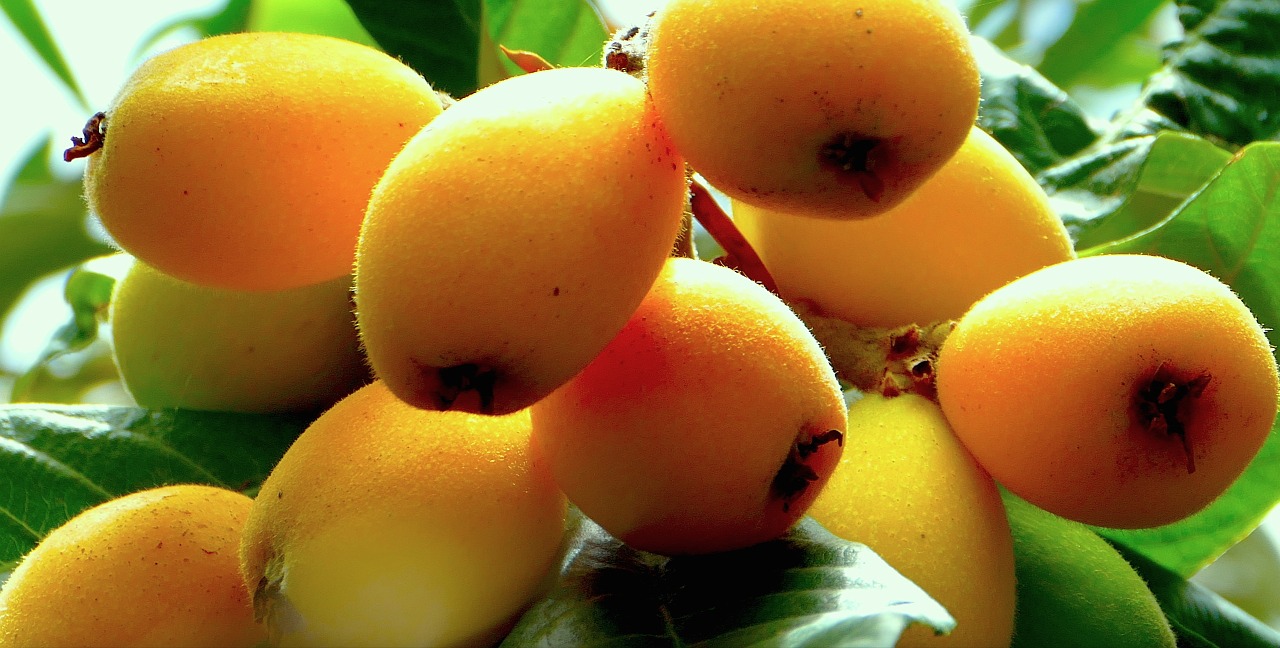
(526, 60)
(739, 254)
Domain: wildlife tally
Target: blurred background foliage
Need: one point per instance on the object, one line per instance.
(63, 63)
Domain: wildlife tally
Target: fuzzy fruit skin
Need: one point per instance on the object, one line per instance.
(153, 568)
(516, 233)
(1073, 587)
(753, 92)
(1040, 380)
(245, 160)
(386, 525)
(908, 489)
(980, 222)
(178, 344)
(670, 439)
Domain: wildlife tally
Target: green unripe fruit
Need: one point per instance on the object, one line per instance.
(1075, 590)
(182, 345)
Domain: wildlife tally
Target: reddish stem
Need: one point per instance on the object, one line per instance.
(739, 254)
(526, 60)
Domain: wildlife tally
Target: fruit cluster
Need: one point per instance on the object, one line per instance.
(526, 335)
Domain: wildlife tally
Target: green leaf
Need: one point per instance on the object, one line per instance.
(1199, 616)
(1118, 190)
(454, 44)
(56, 461)
(233, 17)
(441, 39)
(88, 294)
(1230, 229)
(1098, 29)
(43, 227)
(806, 589)
(1026, 113)
(563, 33)
(26, 18)
(1222, 79)
(323, 17)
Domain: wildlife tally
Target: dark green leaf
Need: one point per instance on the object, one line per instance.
(1230, 229)
(441, 39)
(1098, 29)
(454, 44)
(43, 227)
(564, 33)
(1118, 190)
(1031, 117)
(56, 461)
(807, 589)
(88, 294)
(1199, 616)
(26, 18)
(1222, 79)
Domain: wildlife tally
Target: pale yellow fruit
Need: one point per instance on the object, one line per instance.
(387, 525)
(709, 423)
(980, 222)
(245, 160)
(182, 345)
(837, 109)
(513, 237)
(154, 568)
(907, 488)
(1123, 391)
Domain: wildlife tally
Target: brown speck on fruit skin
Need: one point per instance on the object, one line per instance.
(794, 477)
(469, 376)
(1158, 403)
(95, 135)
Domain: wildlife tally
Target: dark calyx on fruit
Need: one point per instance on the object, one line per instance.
(459, 379)
(1158, 405)
(796, 475)
(851, 153)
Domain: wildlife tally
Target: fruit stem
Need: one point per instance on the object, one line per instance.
(739, 255)
(888, 361)
(627, 49)
(94, 137)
